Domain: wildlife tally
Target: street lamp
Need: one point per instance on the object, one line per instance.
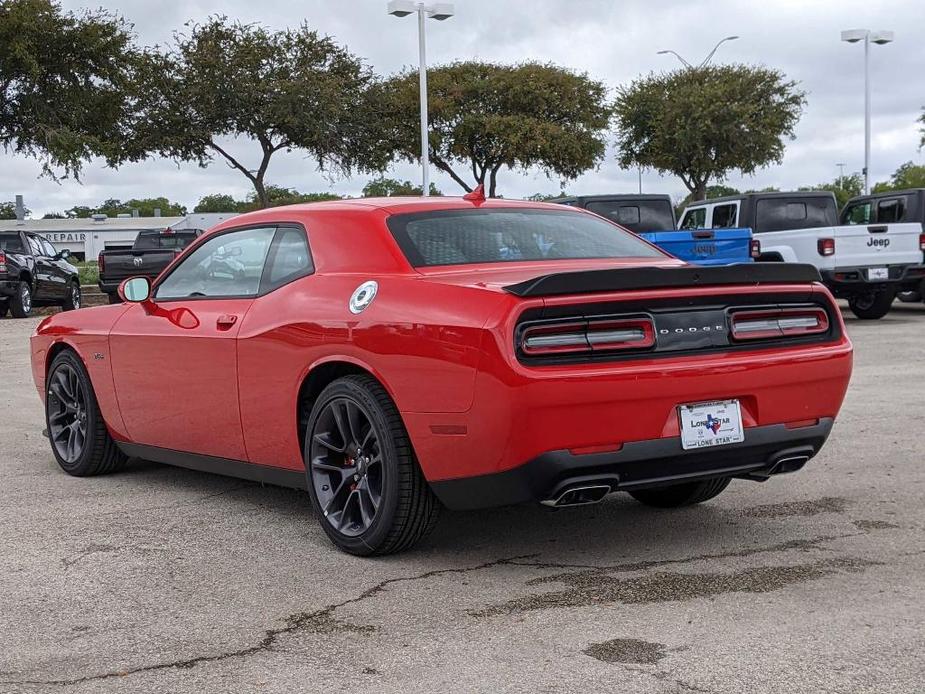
(705, 60)
(880, 38)
(439, 11)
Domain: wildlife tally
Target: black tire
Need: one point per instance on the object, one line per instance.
(4, 308)
(21, 301)
(910, 297)
(678, 495)
(72, 301)
(872, 306)
(407, 508)
(98, 453)
(114, 299)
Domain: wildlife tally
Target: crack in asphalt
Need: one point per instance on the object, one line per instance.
(321, 621)
(803, 545)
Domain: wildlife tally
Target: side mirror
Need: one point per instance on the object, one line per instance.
(63, 254)
(135, 290)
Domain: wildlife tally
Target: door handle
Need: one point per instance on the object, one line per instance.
(225, 321)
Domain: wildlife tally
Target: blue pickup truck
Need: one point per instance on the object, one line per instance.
(652, 217)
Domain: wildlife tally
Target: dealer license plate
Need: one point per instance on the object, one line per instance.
(707, 424)
(878, 273)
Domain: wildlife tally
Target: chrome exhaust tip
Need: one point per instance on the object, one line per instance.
(579, 496)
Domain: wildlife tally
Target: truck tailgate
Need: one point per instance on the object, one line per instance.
(705, 246)
(120, 265)
(877, 245)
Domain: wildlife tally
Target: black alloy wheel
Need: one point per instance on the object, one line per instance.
(79, 437)
(346, 466)
(365, 484)
(72, 301)
(67, 414)
(21, 302)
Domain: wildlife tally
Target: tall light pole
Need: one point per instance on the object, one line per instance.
(438, 11)
(705, 60)
(880, 38)
(841, 172)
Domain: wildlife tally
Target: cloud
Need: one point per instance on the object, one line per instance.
(614, 42)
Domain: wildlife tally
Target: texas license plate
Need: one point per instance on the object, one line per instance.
(707, 424)
(878, 273)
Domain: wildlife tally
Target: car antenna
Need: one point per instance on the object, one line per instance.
(477, 195)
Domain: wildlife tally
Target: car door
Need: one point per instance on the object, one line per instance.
(174, 360)
(43, 271)
(59, 274)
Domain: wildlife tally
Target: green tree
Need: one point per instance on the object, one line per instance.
(285, 90)
(907, 176)
(715, 191)
(66, 84)
(390, 187)
(702, 123)
(145, 207)
(278, 196)
(217, 202)
(844, 187)
(545, 197)
(8, 210)
(485, 117)
(79, 212)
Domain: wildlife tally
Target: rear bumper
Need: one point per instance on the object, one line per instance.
(109, 287)
(846, 281)
(767, 450)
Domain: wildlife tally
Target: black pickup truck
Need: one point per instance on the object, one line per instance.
(35, 273)
(152, 251)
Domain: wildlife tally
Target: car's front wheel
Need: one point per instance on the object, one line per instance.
(365, 485)
(678, 495)
(871, 306)
(79, 438)
(21, 301)
(72, 300)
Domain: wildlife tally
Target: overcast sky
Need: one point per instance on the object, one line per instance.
(612, 41)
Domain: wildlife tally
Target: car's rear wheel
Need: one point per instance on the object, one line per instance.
(21, 301)
(79, 438)
(873, 305)
(678, 495)
(365, 485)
(72, 300)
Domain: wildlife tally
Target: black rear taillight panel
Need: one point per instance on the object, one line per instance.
(693, 326)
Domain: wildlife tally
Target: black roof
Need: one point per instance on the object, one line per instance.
(887, 194)
(776, 194)
(614, 197)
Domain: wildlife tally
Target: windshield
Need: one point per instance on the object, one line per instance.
(160, 240)
(11, 243)
(463, 237)
(638, 215)
(781, 214)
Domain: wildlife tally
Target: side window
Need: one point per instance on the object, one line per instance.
(48, 248)
(694, 218)
(724, 216)
(35, 246)
(891, 210)
(289, 258)
(858, 213)
(230, 264)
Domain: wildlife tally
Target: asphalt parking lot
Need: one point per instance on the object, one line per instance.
(165, 580)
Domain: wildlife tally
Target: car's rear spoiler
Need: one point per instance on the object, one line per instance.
(660, 277)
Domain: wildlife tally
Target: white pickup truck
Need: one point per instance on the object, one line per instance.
(865, 264)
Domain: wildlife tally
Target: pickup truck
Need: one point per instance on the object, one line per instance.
(35, 273)
(887, 208)
(652, 217)
(867, 264)
(152, 251)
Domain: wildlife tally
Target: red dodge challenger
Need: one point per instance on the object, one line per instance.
(393, 356)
